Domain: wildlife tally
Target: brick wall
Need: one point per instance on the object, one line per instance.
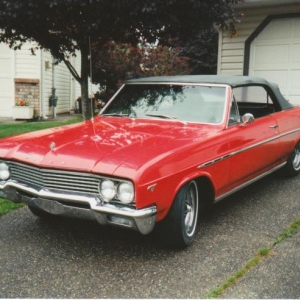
(28, 90)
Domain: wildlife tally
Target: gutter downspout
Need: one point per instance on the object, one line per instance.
(53, 88)
(72, 92)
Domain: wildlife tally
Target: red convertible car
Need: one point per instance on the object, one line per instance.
(161, 149)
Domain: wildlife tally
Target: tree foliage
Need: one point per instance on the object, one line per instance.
(66, 26)
(202, 52)
(116, 62)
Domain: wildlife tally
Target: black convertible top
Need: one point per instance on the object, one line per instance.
(233, 81)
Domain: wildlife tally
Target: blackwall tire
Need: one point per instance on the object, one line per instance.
(292, 167)
(179, 226)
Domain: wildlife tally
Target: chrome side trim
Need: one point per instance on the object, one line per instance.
(211, 162)
(208, 163)
(248, 182)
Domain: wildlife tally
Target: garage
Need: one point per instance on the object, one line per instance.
(6, 80)
(275, 55)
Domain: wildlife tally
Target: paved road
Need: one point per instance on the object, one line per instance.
(74, 259)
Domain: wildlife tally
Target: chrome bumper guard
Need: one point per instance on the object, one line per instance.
(64, 204)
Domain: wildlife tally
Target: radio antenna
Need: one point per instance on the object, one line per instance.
(90, 54)
(91, 79)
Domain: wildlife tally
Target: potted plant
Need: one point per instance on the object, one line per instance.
(22, 110)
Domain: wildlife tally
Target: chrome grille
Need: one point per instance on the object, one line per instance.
(55, 179)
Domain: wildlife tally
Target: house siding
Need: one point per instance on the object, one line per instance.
(27, 64)
(77, 88)
(63, 88)
(7, 63)
(62, 84)
(47, 82)
(26, 75)
(232, 48)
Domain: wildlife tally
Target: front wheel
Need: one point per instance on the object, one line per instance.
(292, 167)
(179, 226)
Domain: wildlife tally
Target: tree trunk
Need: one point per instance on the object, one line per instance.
(86, 103)
(83, 80)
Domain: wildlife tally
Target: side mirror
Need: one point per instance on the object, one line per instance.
(247, 119)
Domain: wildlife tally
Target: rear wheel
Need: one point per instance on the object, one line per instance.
(292, 167)
(179, 226)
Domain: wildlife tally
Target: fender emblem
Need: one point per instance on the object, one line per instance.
(151, 187)
(52, 145)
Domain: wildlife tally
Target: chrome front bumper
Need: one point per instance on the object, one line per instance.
(81, 206)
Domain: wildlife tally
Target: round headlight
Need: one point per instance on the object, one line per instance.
(4, 171)
(107, 189)
(126, 192)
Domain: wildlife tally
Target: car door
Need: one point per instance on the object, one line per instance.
(288, 131)
(253, 146)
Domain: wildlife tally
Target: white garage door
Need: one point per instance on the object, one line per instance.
(275, 55)
(6, 81)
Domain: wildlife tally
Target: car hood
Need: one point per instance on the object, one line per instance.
(102, 145)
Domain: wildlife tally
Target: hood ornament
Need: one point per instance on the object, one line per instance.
(52, 145)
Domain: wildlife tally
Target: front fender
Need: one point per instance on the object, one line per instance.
(162, 192)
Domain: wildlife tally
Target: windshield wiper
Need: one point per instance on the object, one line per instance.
(161, 116)
(165, 117)
(115, 115)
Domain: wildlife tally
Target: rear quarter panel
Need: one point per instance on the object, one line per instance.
(288, 130)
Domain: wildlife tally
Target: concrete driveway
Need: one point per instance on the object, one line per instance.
(75, 259)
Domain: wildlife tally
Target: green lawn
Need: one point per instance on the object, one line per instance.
(6, 206)
(17, 128)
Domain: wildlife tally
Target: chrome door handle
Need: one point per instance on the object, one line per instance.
(273, 126)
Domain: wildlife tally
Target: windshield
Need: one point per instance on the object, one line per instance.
(190, 103)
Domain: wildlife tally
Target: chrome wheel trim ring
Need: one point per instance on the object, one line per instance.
(296, 157)
(191, 209)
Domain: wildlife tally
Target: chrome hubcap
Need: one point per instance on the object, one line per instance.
(296, 159)
(191, 209)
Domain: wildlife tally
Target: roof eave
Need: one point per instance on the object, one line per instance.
(262, 3)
